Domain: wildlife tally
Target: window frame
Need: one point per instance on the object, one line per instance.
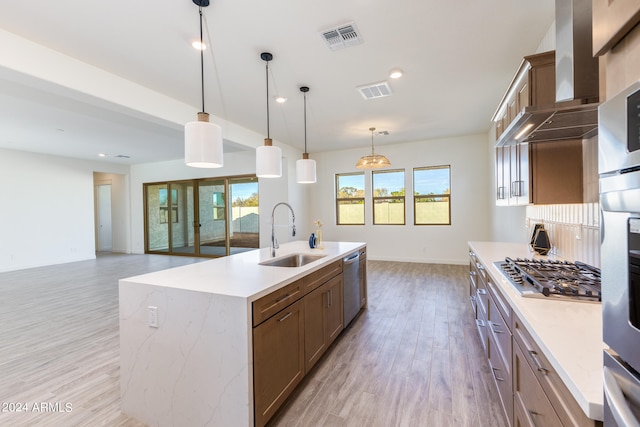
(350, 199)
(417, 196)
(375, 198)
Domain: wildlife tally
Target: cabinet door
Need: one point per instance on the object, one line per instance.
(278, 360)
(334, 311)
(503, 175)
(531, 405)
(519, 170)
(363, 279)
(557, 172)
(315, 339)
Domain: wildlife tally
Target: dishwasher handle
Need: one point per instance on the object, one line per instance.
(351, 258)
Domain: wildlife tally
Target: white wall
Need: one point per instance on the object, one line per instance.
(470, 200)
(47, 214)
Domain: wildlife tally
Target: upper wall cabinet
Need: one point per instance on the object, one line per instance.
(528, 112)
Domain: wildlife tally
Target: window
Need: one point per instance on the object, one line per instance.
(388, 197)
(432, 195)
(350, 199)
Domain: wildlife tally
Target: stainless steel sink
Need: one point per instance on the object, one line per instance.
(292, 260)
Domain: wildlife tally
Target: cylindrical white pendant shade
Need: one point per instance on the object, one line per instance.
(268, 162)
(203, 145)
(305, 171)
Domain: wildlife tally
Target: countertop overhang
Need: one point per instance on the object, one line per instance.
(568, 332)
(241, 275)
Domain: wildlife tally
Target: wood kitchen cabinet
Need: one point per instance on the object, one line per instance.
(531, 392)
(556, 170)
(542, 378)
(292, 329)
(539, 173)
(363, 279)
(278, 360)
(323, 319)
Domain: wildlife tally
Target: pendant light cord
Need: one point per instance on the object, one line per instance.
(305, 122)
(201, 60)
(372, 152)
(267, 79)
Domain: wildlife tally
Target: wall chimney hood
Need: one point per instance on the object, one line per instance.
(574, 114)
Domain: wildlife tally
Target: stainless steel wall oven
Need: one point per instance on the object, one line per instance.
(619, 169)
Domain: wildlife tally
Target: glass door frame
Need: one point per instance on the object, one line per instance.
(196, 224)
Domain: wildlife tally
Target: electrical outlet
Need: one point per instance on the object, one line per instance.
(152, 319)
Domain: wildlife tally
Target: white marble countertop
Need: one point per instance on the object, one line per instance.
(240, 275)
(569, 333)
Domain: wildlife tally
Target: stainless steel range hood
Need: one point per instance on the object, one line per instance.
(574, 115)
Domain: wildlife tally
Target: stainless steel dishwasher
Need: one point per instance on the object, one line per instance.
(351, 286)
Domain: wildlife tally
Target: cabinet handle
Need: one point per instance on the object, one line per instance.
(495, 375)
(530, 415)
(283, 298)
(480, 323)
(495, 331)
(482, 291)
(286, 316)
(536, 362)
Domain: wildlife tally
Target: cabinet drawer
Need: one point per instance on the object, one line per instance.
(533, 408)
(501, 304)
(269, 305)
(502, 376)
(320, 276)
(481, 324)
(563, 402)
(500, 333)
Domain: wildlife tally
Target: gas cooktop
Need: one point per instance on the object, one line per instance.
(574, 281)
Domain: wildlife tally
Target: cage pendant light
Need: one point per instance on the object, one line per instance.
(268, 157)
(373, 161)
(305, 167)
(202, 140)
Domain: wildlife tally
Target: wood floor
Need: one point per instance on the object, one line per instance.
(412, 359)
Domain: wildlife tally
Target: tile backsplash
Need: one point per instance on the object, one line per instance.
(574, 230)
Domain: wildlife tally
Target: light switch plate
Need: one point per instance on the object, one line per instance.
(152, 318)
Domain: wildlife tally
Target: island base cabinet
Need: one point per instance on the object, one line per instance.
(278, 346)
(323, 319)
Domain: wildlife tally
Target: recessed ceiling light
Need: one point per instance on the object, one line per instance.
(396, 73)
(280, 99)
(102, 155)
(199, 46)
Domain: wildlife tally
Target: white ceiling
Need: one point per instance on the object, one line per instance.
(458, 57)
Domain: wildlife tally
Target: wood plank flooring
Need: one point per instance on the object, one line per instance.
(412, 359)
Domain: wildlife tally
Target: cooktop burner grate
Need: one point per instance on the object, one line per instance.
(558, 278)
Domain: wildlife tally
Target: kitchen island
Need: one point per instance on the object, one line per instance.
(567, 333)
(186, 334)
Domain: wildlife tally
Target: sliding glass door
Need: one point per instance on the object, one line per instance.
(204, 217)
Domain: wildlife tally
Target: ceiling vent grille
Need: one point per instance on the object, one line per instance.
(375, 90)
(342, 36)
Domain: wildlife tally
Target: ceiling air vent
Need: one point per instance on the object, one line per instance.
(342, 36)
(375, 90)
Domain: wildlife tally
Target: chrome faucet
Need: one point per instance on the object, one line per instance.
(274, 241)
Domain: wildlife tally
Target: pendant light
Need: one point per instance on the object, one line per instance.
(305, 167)
(373, 161)
(268, 157)
(202, 140)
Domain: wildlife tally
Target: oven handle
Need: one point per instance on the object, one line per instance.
(617, 403)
